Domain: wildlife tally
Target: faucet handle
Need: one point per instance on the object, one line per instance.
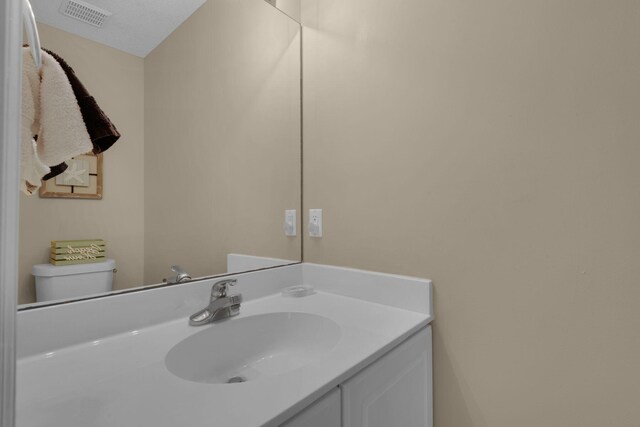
(177, 269)
(219, 289)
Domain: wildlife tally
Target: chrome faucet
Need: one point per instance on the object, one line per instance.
(181, 275)
(221, 305)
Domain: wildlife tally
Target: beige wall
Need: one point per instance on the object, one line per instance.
(290, 7)
(222, 122)
(115, 79)
(493, 147)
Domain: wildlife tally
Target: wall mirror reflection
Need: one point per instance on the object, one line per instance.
(205, 96)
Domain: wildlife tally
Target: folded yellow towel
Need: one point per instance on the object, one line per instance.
(50, 111)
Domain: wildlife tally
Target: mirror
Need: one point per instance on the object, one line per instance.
(206, 97)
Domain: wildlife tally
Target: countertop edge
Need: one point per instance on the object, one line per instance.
(299, 406)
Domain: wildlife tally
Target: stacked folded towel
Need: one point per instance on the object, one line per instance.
(60, 120)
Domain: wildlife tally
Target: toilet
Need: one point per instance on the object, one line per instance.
(57, 282)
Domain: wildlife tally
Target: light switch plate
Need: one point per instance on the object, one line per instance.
(290, 228)
(315, 222)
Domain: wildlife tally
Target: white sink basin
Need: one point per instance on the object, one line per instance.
(245, 349)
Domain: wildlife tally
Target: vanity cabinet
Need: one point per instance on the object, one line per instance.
(395, 390)
(323, 413)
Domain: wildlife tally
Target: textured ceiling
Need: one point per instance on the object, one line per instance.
(136, 26)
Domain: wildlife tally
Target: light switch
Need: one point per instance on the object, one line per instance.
(315, 222)
(290, 222)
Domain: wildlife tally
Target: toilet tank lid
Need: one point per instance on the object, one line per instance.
(50, 270)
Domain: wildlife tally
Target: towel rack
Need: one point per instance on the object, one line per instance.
(32, 33)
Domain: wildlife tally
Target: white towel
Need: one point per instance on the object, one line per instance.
(32, 168)
(49, 110)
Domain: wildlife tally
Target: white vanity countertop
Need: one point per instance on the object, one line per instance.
(122, 380)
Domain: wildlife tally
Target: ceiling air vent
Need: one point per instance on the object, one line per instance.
(85, 12)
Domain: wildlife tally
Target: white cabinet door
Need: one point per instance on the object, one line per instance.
(395, 391)
(325, 412)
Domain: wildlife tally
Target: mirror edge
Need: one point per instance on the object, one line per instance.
(45, 304)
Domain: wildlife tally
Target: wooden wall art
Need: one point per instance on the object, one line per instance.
(81, 180)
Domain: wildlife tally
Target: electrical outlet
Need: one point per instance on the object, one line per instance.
(315, 222)
(290, 222)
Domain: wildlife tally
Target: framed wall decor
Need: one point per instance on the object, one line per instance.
(81, 180)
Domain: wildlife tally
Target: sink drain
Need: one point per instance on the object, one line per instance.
(235, 380)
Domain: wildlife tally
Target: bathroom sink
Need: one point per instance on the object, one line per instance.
(248, 348)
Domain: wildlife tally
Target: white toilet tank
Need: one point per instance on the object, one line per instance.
(54, 282)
